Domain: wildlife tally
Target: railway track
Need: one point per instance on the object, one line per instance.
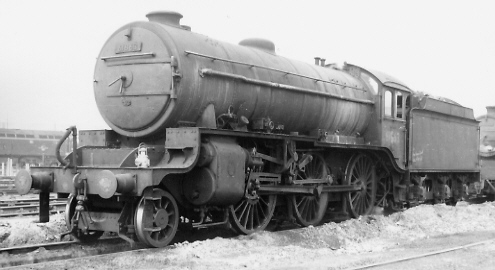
(37, 255)
(7, 185)
(31, 248)
(420, 256)
(41, 256)
(28, 207)
(42, 253)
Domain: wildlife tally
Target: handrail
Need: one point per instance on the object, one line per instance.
(62, 161)
(335, 82)
(211, 72)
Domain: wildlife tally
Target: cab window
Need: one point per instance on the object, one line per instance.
(397, 104)
(388, 103)
(399, 109)
(403, 104)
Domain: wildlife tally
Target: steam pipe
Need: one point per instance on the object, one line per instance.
(62, 161)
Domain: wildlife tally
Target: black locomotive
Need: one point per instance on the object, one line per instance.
(208, 133)
(487, 153)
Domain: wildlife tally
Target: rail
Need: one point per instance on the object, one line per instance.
(421, 255)
(30, 209)
(55, 251)
(30, 201)
(7, 185)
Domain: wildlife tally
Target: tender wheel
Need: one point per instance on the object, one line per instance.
(384, 191)
(252, 214)
(157, 218)
(70, 209)
(361, 172)
(310, 209)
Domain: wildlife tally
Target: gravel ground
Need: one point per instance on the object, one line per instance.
(330, 246)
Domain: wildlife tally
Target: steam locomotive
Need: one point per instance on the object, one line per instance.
(207, 133)
(487, 151)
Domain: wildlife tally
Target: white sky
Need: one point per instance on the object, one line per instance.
(48, 48)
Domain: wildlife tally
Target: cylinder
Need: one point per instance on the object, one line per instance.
(199, 186)
(221, 181)
(206, 154)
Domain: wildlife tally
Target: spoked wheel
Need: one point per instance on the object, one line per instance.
(157, 218)
(383, 191)
(70, 210)
(310, 209)
(360, 172)
(253, 212)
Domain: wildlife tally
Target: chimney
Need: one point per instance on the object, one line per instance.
(490, 111)
(171, 18)
(317, 61)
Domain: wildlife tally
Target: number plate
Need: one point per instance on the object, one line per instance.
(128, 47)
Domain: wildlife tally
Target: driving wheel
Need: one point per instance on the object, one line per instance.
(360, 172)
(253, 212)
(310, 209)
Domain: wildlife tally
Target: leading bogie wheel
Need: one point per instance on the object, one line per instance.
(360, 172)
(156, 218)
(310, 209)
(70, 210)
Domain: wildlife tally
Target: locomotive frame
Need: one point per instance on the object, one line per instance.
(243, 164)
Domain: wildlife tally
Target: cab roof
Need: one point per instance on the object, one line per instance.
(384, 78)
